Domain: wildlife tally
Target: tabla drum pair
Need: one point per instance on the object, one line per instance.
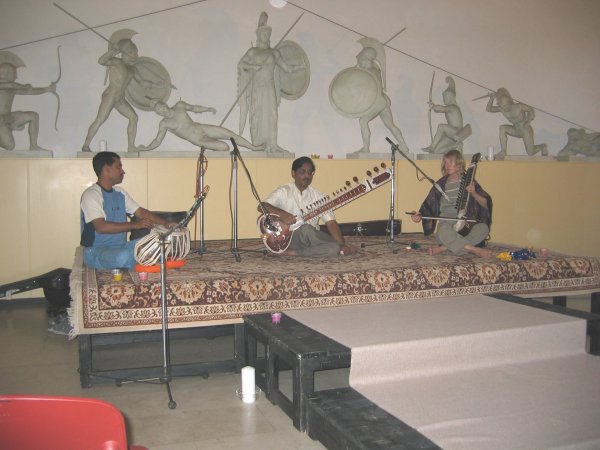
(177, 245)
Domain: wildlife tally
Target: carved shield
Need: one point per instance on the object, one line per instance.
(293, 84)
(354, 91)
(150, 70)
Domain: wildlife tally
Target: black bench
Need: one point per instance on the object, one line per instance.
(346, 420)
(296, 346)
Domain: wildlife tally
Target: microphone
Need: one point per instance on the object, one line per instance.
(441, 191)
(235, 147)
(438, 187)
(394, 146)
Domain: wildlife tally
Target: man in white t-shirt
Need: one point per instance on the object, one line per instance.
(104, 211)
(288, 202)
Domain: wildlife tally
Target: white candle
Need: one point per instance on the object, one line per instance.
(248, 388)
(102, 145)
(490, 153)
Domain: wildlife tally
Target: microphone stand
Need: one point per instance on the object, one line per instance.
(166, 352)
(431, 180)
(166, 379)
(163, 238)
(202, 247)
(234, 227)
(393, 195)
(268, 223)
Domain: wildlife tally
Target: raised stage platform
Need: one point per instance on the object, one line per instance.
(213, 289)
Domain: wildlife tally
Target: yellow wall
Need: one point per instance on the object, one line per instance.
(537, 203)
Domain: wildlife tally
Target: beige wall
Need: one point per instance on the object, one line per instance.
(542, 204)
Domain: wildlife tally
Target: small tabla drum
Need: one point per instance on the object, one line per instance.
(177, 245)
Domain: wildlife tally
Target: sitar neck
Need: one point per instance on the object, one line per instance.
(327, 204)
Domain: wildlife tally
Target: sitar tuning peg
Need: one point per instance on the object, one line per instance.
(376, 169)
(355, 179)
(369, 173)
(383, 166)
(348, 183)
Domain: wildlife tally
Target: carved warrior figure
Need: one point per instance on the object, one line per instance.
(265, 75)
(177, 121)
(580, 143)
(131, 80)
(360, 92)
(17, 120)
(520, 116)
(450, 135)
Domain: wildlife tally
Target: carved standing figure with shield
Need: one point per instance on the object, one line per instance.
(360, 92)
(265, 75)
(130, 79)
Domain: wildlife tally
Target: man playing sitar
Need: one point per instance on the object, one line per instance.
(286, 204)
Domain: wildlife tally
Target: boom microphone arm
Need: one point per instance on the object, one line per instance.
(433, 183)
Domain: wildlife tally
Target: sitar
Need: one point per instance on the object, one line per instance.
(463, 226)
(277, 235)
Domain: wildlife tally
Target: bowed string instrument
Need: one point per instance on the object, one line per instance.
(463, 224)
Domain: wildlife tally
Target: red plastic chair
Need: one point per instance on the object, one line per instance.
(61, 423)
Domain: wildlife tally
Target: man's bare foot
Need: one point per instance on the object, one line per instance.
(500, 156)
(436, 250)
(346, 250)
(484, 253)
(86, 148)
(362, 150)
(133, 149)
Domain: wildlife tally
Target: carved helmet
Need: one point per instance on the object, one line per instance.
(262, 25)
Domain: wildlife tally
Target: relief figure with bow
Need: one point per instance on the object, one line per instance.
(17, 120)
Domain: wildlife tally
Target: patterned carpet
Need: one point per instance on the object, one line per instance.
(214, 288)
